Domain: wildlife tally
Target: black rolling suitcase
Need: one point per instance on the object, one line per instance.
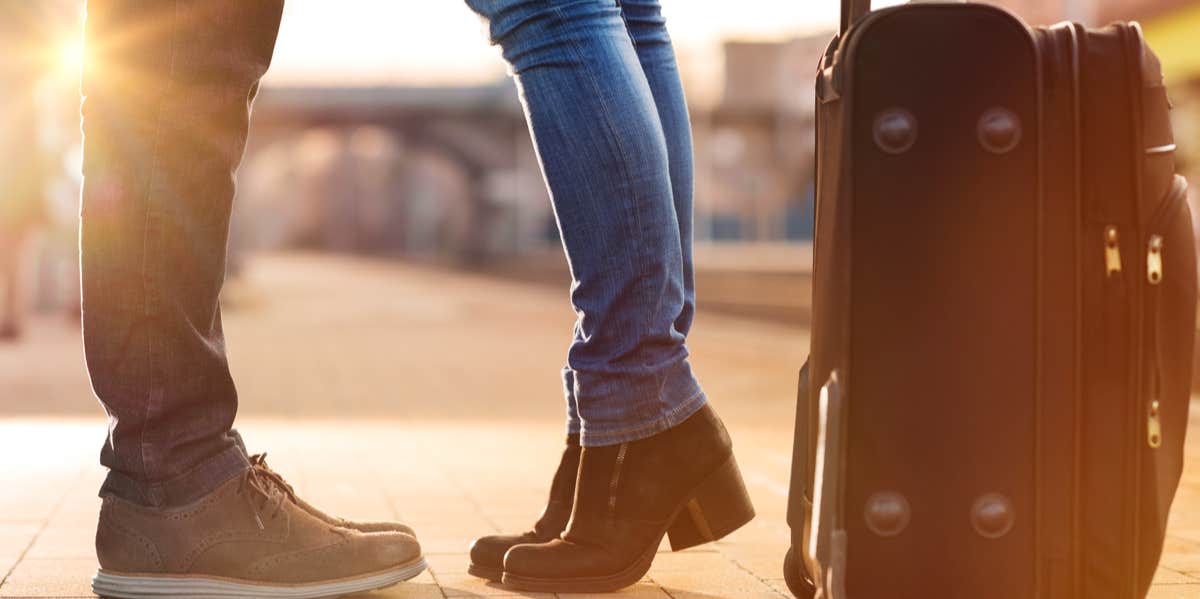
(1004, 307)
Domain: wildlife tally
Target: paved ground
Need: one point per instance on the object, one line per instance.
(391, 391)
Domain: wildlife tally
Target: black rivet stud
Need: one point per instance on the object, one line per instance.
(895, 130)
(999, 130)
(993, 516)
(887, 514)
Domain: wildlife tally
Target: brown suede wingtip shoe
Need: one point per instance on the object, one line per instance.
(245, 540)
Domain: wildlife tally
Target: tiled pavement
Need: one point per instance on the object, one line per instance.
(453, 444)
(452, 482)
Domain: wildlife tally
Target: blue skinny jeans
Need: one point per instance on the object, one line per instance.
(606, 109)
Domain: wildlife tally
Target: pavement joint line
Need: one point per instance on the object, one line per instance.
(436, 582)
(738, 564)
(475, 504)
(1193, 578)
(58, 503)
(466, 493)
(662, 588)
(387, 497)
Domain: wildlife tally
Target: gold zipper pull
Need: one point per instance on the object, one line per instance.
(1154, 427)
(1154, 265)
(1112, 251)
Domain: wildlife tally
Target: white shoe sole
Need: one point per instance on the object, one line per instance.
(129, 586)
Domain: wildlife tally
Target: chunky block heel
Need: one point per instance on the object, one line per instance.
(719, 506)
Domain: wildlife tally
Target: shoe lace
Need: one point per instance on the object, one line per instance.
(259, 462)
(261, 483)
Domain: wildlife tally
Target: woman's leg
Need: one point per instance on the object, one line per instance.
(605, 156)
(648, 29)
(598, 111)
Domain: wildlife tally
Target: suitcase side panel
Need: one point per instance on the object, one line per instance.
(942, 364)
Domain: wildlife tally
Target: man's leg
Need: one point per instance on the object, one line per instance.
(167, 91)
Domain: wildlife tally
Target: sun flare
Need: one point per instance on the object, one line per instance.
(69, 60)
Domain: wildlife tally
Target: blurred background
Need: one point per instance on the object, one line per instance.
(389, 138)
(397, 298)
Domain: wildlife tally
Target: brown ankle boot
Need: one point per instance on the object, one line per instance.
(259, 460)
(247, 539)
(682, 482)
(487, 553)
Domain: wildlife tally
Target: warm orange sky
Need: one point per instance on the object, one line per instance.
(442, 42)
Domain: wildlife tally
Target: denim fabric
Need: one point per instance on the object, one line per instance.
(606, 110)
(167, 91)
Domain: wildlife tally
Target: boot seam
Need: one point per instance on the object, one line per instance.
(615, 482)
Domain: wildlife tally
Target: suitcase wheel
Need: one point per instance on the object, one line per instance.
(797, 583)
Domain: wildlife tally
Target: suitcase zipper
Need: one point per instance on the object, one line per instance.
(1165, 215)
(1112, 251)
(1154, 266)
(1154, 275)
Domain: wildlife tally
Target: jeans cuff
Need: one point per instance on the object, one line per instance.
(202, 479)
(237, 438)
(591, 437)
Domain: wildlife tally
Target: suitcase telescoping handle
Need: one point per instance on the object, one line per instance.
(852, 11)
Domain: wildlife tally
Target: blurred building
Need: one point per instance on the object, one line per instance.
(451, 171)
(755, 148)
(414, 171)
